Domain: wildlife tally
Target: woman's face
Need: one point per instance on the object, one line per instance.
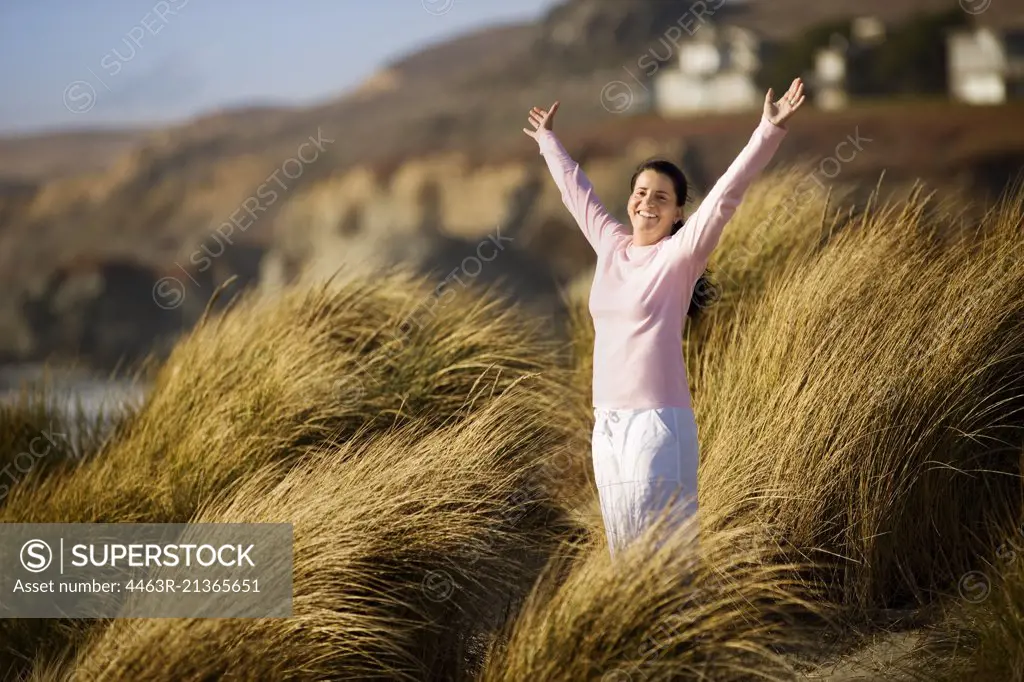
(652, 207)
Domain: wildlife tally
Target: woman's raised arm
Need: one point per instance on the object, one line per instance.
(702, 231)
(597, 224)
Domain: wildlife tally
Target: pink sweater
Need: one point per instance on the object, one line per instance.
(640, 294)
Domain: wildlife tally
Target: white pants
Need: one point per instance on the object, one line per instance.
(645, 463)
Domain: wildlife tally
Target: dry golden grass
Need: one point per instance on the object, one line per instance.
(407, 549)
(859, 397)
(981, 634)
(899, 332)
(995, 631)
(275, 380)
(868, 408)
(272, 379)
(784, 219)
(721, 607)
(38, 440)
(1000, 654)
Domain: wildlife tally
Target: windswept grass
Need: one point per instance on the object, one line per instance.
(785, 218)
(273, 381)
(993, 631)
(408, 549)
(869, 408)
(715, 608)
(38, 438)
(859, 397)
(981, 634)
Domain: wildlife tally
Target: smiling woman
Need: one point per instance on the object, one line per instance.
(642, 284)
(658, 191)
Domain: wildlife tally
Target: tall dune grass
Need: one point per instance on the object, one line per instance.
(785, 218)
(38, 439)
(869, 407)
(1000, 631)
(407, 549)
(859, 400)
(715, 608)
(981, 634)
(272, 381)
(993, 632)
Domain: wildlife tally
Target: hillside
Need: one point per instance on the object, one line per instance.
(49, 156)
(429, 147)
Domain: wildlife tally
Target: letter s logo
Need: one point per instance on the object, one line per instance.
(36, 556)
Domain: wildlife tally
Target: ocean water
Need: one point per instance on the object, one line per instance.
(72, 393)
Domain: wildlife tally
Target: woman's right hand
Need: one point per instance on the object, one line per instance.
(541, 119)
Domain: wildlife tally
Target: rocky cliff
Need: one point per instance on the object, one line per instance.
(425, 164)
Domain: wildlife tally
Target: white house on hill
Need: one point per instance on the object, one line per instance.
(716, 71)
(717, 68)
(986, 64)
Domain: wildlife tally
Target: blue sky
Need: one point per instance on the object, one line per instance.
(99, 63)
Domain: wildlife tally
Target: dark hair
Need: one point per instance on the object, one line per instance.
(704, 291)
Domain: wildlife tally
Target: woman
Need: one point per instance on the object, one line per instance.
(645, 438)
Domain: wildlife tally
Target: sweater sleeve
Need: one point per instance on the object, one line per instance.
(598, 226)
(700, 234)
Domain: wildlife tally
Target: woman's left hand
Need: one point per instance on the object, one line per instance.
(779, 112)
